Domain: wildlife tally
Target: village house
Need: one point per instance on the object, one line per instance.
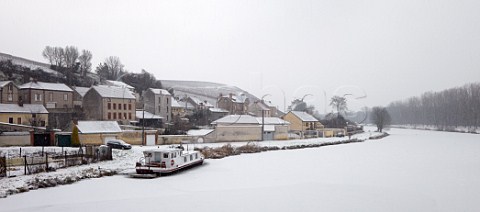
(109, 103)
(216, 113)
(24, 114)
(303, 123)
(199, 104)
(78, 94)
(256, 108)
(53, 96)
(9, 92)
(234, 104)
(158, 102)
(177, 109)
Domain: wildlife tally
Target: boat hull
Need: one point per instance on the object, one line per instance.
(147, 171)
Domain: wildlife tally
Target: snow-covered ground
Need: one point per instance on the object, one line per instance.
(411, 170)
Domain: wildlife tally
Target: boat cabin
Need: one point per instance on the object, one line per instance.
(169, 158)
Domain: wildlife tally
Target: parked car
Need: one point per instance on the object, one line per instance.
(118, 144)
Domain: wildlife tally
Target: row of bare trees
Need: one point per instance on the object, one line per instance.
(69, 57)
(454, 107)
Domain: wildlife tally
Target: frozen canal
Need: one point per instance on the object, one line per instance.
(410, 170)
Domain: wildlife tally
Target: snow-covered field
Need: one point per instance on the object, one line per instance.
(411, 170)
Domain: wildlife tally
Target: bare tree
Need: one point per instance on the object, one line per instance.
(380, 117)
(339, 103)
(49, 54)
(111, 69)
(85, 62)
(70, 56)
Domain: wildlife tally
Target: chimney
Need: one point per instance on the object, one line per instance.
(230, 95)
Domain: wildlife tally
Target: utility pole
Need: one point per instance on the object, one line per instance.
(143, 122)
(263, 124)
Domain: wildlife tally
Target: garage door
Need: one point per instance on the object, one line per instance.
(150, 140)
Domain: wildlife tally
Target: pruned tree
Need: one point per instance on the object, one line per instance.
(85, 62)
(380, 117)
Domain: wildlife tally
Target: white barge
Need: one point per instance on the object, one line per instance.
(158, 162)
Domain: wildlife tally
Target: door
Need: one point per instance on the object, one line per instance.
(151, 140)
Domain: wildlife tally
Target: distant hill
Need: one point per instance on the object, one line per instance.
(204, 90)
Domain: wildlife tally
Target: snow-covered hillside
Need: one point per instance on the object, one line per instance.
(28, 63)
(411, 170)
(208, 91)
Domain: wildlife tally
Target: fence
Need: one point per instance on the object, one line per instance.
(45, 162)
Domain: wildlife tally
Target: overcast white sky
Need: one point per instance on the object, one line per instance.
(386, 50)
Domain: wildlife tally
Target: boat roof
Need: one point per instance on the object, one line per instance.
(168, 150)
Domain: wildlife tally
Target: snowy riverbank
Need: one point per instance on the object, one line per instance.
(124, 162)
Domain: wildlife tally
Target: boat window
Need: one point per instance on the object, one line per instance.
(191, 157)
(157, 157)
(173, 155)
(165, 155)
(185, 159)
(196, 156)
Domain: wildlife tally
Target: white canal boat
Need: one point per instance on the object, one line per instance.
(158, 162)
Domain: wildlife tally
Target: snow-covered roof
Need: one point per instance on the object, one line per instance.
(272, 121)
(81, 90)
(217, 110)
(201, 132)
(236, 119)
(259, 106)
(140, 115)
(175, 103)
(26, 108)
(237, 98)
(197, 101)
(158, 91)
(46, 86)
(303, 116)
(3, 83)
(113, 92)
(88, 127)
(119, 84)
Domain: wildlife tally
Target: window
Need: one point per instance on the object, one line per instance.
(114, 106)
(129, 106)
(130, 116)
(10, 120)
(109, 105)
(167, 101)
(114, 115)
(125, 115)
(50, 96)
(109, 116)
(124, 106)
(167, 109)
(119, 106)
(119, 115)
(165, 155)
(65, 97)
(10, 97)
(19, 120)
(10, 87)
(191, 157)
(184, 159)
(38, 97)
(42, 123)
(159, 109)
(196, 155)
